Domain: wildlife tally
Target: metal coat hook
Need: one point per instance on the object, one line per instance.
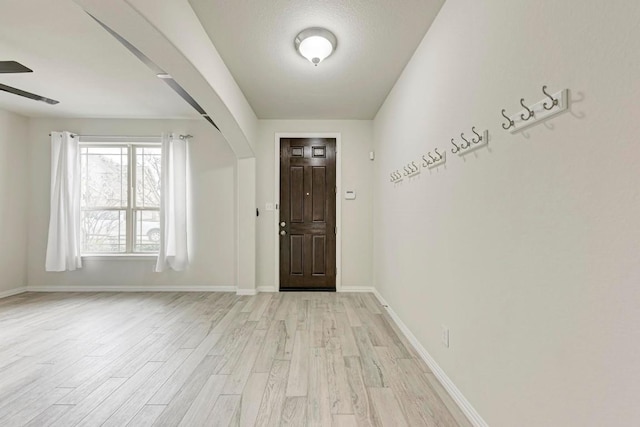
(456, 149)
(554, 101)
(406, 171)
(439, 155)
(432, 158)
(510, 122)
(474, 140)
(528, 110)
(427, 162)
(465, 140)
(414, 167)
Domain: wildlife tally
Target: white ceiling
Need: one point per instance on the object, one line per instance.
(76, 62)
(376, 39)
(92, 75)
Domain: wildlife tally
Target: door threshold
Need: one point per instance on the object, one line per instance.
(303, 289)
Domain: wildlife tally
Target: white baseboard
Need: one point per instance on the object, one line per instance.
(446, 382)
(249, 292)
(366, 289)
(131, 289)
(12, 292)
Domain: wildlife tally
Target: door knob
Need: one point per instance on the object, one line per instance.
(282, 233)
(282, 224)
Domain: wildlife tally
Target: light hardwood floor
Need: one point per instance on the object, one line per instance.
(189, 359)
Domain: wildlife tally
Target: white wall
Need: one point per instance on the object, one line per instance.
(246, 225)
(213, 244)
(14, 184)
(357, 173)
(529, 251)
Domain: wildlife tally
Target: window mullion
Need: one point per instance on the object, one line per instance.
(131, 199)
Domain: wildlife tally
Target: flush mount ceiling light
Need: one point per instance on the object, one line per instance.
(315, 44)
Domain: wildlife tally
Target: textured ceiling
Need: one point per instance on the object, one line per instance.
(376, 38)
(78, 63)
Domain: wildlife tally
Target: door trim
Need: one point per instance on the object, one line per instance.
(276, 216)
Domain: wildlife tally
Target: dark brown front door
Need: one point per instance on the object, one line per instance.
(307, 225)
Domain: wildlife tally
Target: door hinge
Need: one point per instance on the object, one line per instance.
(335, 230)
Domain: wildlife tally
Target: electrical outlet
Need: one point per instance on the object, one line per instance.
(445, 336)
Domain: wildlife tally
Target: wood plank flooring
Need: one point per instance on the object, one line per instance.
(211, 359)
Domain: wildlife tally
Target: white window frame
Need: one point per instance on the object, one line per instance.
(131, 207)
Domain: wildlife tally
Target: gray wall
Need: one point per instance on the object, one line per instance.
(529, 251)
(14, 189)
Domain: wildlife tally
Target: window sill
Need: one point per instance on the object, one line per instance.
(120, 257)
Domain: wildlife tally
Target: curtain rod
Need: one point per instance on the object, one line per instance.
(126, 136)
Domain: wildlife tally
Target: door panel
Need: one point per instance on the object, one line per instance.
(318, 255)
(297, 194)
(308, 211)
(319, 182)
(297, 249)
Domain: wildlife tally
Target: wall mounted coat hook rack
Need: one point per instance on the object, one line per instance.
(412, 169)
(395, 176)
(434, 161)
(551, 105)
(479, 141)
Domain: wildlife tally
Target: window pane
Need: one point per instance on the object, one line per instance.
(104, 231)
(148, 164)
(147, 237)
(104, 177)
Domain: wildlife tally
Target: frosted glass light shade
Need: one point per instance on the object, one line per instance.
(315, 44)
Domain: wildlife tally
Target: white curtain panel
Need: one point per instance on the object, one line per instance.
(173, 205)
(63, 246)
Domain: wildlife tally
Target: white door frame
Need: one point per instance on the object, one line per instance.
(276, 227)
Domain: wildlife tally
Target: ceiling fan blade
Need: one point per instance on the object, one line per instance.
(29, 95)
(13, 67)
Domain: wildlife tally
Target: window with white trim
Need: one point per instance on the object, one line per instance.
(120, 198)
